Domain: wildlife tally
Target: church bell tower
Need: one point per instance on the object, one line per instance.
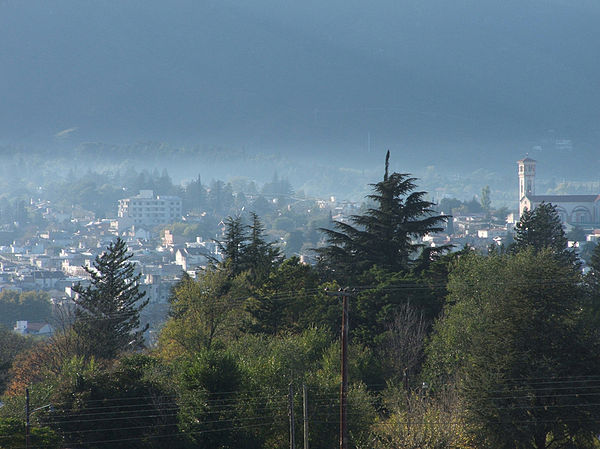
(526, 177)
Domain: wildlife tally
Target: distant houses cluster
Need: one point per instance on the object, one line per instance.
(54, 260)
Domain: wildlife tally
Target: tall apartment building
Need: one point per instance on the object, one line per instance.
(146, 209)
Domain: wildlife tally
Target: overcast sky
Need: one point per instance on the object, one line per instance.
(277, 73)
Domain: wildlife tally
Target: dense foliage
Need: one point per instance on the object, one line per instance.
(453, 350)
(521, 354)
(29, 306)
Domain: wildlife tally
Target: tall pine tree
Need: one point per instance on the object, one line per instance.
(385, 234)
(107, 316)
(245, 249)
(258, 255)
(541, 228)
(232, 246)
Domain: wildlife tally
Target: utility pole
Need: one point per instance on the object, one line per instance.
(26, 418)
(305, 414)
(344, 368)
(291, 414)
(28, 413)
(345, 294)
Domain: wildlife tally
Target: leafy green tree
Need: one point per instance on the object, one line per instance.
(595, 262)
(577, 234)
(211, 412)
(415, 420)
(586, 251)
(107, 313)
(271, 363)
(294, 241)
(291, 299)
(12, 435)
(385, 234)
(204, 312)
(515, 341)
(279, 187)
(499, 215)
(130, 404)
(30, 306)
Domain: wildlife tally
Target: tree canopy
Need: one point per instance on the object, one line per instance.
(515, 341)
(455, 350)
(385, 234)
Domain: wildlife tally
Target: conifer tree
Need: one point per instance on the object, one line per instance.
(258, 255)
(592, 282)
(107, 316)
(244, 248)
(542, 228)
(384, 235)
(233, 244)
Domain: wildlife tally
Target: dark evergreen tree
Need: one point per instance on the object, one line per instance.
(195, 195)
(107, 316)
(216, 196)
(233, 244)
(542, 228)
(592, 282)
(244, 248)
(258, 255)
(274, 309)
(385, 234)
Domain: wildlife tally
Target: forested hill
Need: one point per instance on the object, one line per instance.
(426, 78)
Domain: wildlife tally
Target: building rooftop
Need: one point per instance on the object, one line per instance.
(564, 198)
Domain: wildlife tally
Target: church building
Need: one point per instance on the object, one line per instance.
(575, 210)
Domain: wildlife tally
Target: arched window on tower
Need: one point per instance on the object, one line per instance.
(581, 215)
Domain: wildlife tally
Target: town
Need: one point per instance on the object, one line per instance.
(168, 238)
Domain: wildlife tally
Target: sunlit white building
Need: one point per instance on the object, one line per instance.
(146, 209)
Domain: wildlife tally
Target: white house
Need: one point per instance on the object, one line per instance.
(27, 328)
(146, 209)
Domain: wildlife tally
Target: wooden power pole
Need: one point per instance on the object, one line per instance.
(27, 418)
(345, 294)
(291, 413)
(305, 414)
(344, 369)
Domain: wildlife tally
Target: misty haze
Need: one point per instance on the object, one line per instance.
(229, 224)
